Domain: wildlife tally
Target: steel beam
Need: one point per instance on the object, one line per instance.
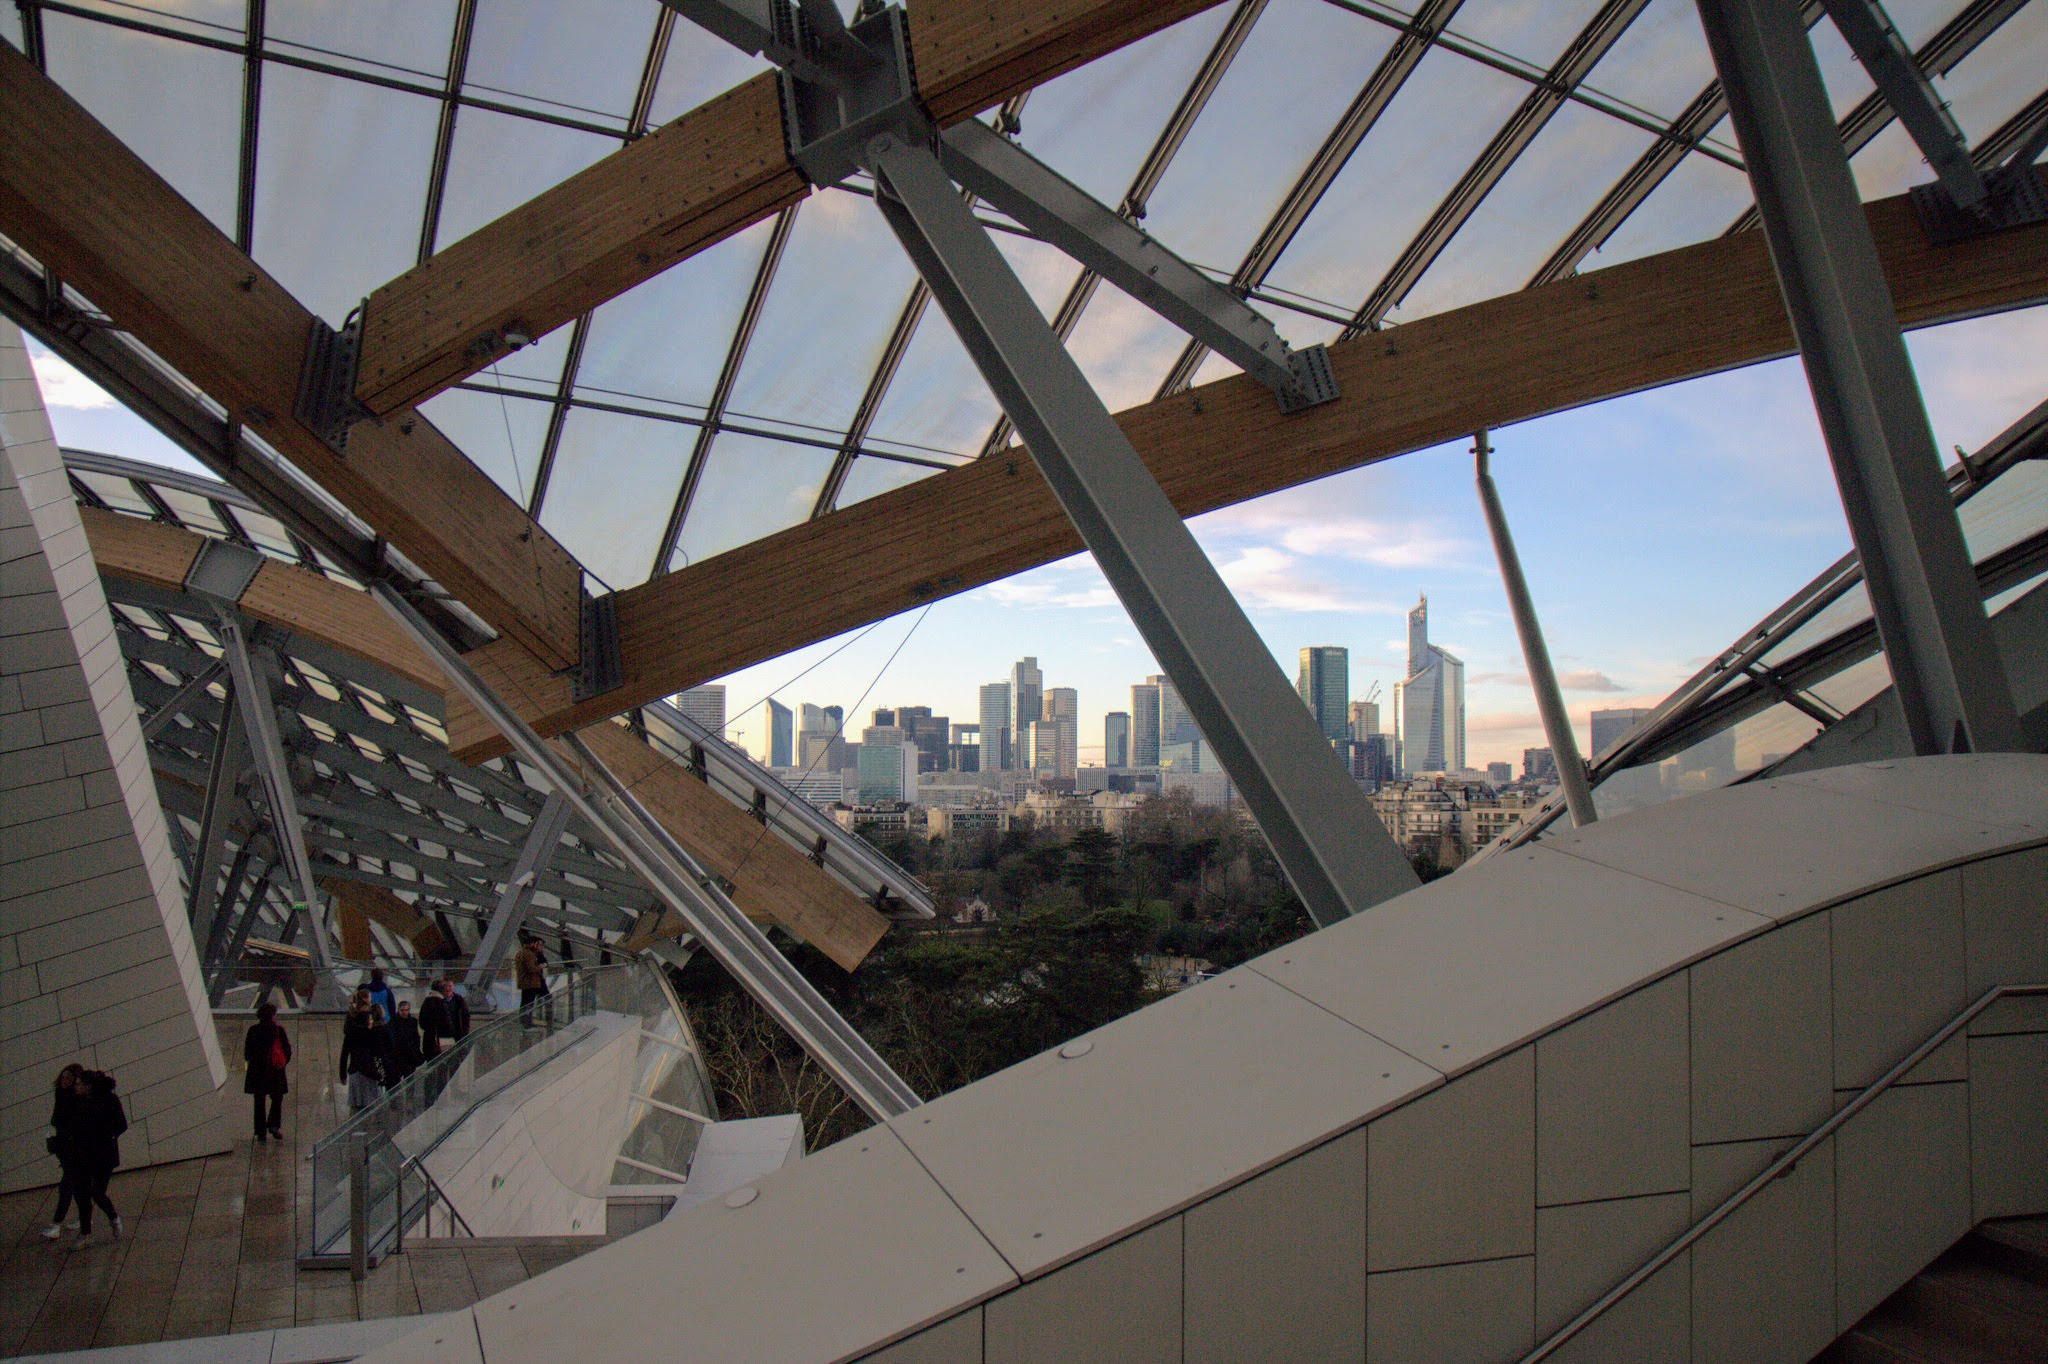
(738, 945)
(510, 914)
(1322, 830)
(1889, 62)
(1951, 681)
(223, 776)
(1557, 725)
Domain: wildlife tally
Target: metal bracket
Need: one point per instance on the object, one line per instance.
(223, 570)
(599, 665)
(2013, 198)
(1314, 383)
(829, 114)
(326, 402)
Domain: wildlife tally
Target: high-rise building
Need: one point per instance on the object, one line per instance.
(1116, 739)
(995, 726)
(1431, 708)
(810, 719)
(1027, 696)
(821, 750)
(1500, 774)
(1145, 725)
(929, 733)
(781, 734)
(1181, 747)
(1365, 719)
(1539, 764)
(885, 717)
(705, 705)
(888, 767)
(1042, 756)
(1324, 683)
(1063, 712)
(1610, 727)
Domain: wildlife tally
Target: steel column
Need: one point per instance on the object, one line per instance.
(223, 777)
(183, 697)
(649, 849)
(1321, 828)
(1557, 725)
(510, 914)
(1951, 681)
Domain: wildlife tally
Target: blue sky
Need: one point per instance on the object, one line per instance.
(1653, 528)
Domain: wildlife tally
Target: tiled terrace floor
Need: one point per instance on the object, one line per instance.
(210, 1244)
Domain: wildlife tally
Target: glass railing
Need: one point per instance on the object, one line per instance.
(371, 1184)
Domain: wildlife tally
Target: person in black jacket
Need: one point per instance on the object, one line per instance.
(405, 1044)
(67, 1144)
(267, 1051)
(365, 1053)
(103, 1122)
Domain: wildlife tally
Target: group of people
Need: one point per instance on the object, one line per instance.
(382, 1042)
(86, 1123)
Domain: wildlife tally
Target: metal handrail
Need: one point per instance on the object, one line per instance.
(1781, 1166)
(419, 1163)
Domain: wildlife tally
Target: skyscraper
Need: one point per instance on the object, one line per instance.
(1063, 712)
(1041, 756)
(1324, 682)
(1539, 764)
(995, 726)
(1365, 719)
(1180, 739)
(1145, 725)
(1027, 694)
(1610, 727)
(781, 734)
(1116, 739)
(705, 705)
(1432, 703)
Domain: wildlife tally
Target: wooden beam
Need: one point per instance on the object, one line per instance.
(73, 196)
(367, 904)
(694, 182)
(1665, 318)
(774, 883)
(770, 879)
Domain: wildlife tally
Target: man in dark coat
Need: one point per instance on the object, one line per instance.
(267, 1051)
(405, 1043)
(100, 1136)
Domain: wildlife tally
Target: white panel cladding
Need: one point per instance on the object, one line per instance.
(1763, 1282)
(1453, 1173)
(1166, 1106)
(1990, 790)
(2009, 1124)
(1763, 1042)
(1276, 1266)
(1899, 976)
(1481, 1310)
(2005, 936)
(1612, 1116)
(956, 1340)
(1902, 1191)
(96, 958)
(1122, 1303)
(1584, 1249)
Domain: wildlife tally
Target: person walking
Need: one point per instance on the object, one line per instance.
(266, 1051)
(381, 994)
(529, 966)
(67, 1143)
(458, 1010)
(406, 1053)
(363, 1048)
(436, 1020)
(103, 1122)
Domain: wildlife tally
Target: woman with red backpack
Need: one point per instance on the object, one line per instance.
(267, 1051)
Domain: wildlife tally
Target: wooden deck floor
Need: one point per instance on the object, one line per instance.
(209, 1245)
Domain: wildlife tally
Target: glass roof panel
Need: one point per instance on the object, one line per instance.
(501, 435)
(405, 35)
(195, 513)
(1698, 199)
(614, 480)
(117, 493)
(751, 487)
(176, 105)
(667, 338)
(582, 59)
(1124, 347)
(2000, 76)
(498, 162)
(938, 401)
(1298, 71)
(1890, 164)
(10, 27)
(698, 68)
(870, 477)
(1660, 64)
(1046, 272)
(1549, 189)
(322, 132)
(1097, 123)
(842, 282)
(2009, 511)
(534, 369)
(204, 18)
(1429, 135)
(1534, 32)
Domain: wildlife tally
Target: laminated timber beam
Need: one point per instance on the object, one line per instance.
(362, 905)
(85, 206)
(693, 182)
(773, 882)
(1641, 324)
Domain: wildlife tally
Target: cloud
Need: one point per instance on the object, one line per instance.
(1303, 521)
(1038, 594)
(1502, 722)
(1263, 577)
(1505, 679)
(1588, 679)
(65, 387)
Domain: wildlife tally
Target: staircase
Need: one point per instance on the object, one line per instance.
(1985, 1299)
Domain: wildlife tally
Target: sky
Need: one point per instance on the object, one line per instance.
(1653, 530)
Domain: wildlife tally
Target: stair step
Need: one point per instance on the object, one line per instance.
(2017, 1245)
(1985, 1301)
